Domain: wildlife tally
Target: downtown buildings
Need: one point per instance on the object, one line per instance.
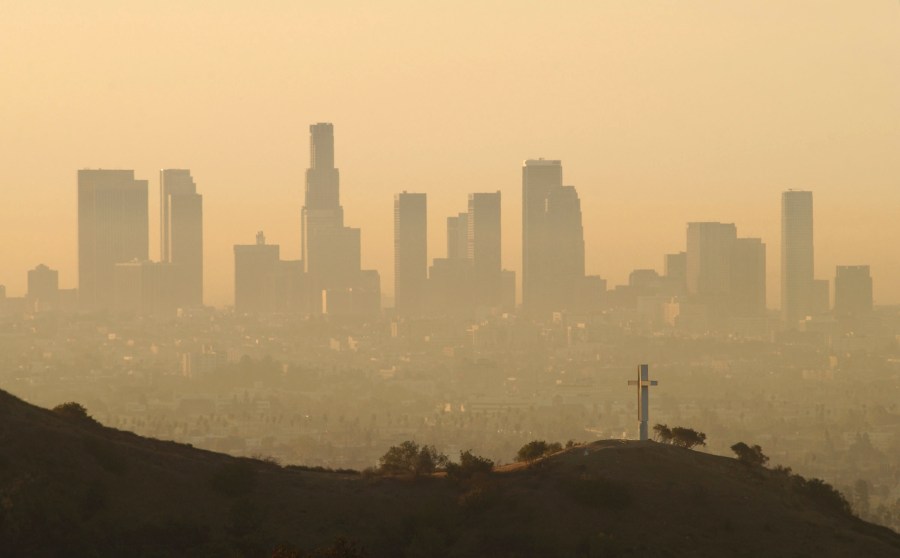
(114, 271)
(328, 279)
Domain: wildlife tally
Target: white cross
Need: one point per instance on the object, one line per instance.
(643, 383)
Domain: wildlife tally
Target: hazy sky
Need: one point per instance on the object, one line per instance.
(663, 112)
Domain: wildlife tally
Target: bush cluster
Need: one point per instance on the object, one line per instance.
(679, 436)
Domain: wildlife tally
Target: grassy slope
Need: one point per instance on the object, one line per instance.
(75, 489)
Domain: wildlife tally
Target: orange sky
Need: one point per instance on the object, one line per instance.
(663, 112)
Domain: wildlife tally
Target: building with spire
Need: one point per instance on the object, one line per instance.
(330, 251)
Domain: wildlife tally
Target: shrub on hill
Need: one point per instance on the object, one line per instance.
(410, 458)
(752, 456)
(679, 436)
(75, 412)
(468, 466)
(823, 494)
(536, 449)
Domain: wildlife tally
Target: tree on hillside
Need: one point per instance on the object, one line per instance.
(662, 433)
(679, 436)
(411, 458)
(536, 449)
(687, 437)
(469, 465)
(74, 411)
(748, 455)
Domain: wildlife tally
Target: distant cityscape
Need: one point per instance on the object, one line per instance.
(718, 283)
(310, 367)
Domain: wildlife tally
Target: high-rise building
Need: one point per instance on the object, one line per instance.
(410, 252)
(564, 257)
(539, 176)
(748, 278)
(797, 260)
(112, 228)
(43, 288)
(256, 271)
(552, 239)
(181, 234)
(852, 291)
(331, 251)
(458, 237)
(710, 247)
(484, 247)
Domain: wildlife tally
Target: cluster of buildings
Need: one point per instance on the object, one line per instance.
(717, 283)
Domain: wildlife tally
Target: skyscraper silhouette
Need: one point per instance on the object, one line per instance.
(552, 240)
(181, 234)
(331, 251)
(797, 259)
(256, 268)
(484, 247)
(852, 291)
(748, 278)
(410, 252)
(539, 176)
(710, 248)
(564, 258)
(112, 228)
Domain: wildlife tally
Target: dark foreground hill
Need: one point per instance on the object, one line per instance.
(70, 487)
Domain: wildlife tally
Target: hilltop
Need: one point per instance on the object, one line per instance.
(72, 487)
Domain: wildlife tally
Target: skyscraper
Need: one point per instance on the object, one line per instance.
(710, 247)
(852, 291)
(181, 234)
(748, 278)
(331, 251)
(539, 176)
(458, 236)
(484, 247)
(410, 252)
(563, 269)
(256, 269)
(112, 228)
(797, 261)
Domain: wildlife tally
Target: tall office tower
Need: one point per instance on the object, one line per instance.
(797, 263)
(564, 258)
(710, 247)
(748, 278)
(112, 228)
(43, 288)
(458, 237)
(331, 251)
(256, 268)
(852, 291)
(181, 234)
(539, 176)
(484, 247)
(410, 252)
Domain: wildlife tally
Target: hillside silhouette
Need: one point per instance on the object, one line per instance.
(72, 487)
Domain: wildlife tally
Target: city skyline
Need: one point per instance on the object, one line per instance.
(653, 136)
(457, 235)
